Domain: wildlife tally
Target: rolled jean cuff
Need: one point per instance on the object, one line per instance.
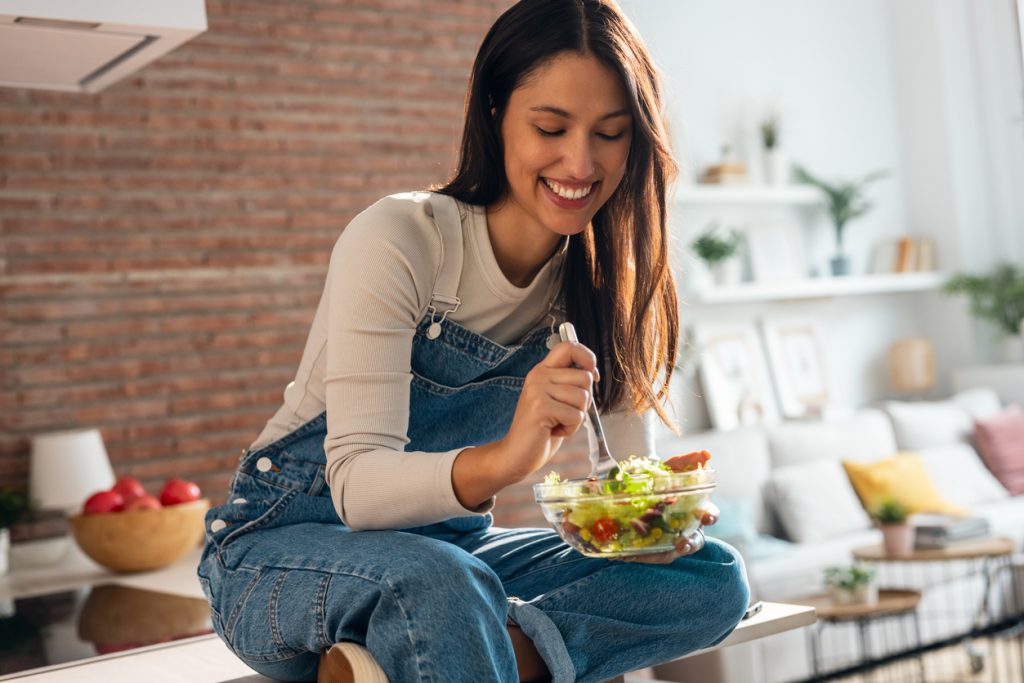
(546, 637)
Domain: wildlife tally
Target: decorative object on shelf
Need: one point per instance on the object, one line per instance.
(734, 374)
(720, 254)
(939, 531)
(892, 516)
(727, 171)
(12, 506)
(997, 298)
(904, 255)
(845, 201)
(912, 366)
(853, 585)
(776, 164)
(66, 467)
(798, 367)
(776, 252)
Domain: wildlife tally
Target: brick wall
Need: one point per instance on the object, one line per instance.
(165, 242)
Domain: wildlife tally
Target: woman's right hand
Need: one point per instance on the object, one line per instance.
(552, 406)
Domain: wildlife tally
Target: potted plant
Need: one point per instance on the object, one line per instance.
(719, 253)
(854, 585)
(998, 298)
(12, 506)
(897, 534)
(776, 171)
(845, 201)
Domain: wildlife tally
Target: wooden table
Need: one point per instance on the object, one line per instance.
(891, 604)
(977, 548)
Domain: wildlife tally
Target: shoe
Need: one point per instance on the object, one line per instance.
(348, 662)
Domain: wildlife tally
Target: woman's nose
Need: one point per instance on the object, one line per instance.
(579, 159)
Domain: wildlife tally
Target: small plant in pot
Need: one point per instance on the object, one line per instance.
(891, 515)
(996, 297)
(854, 585)
(719, 253)
(845, 201)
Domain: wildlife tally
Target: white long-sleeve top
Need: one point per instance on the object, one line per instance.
(357, 360)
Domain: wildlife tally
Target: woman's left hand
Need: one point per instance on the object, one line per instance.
(685, 546)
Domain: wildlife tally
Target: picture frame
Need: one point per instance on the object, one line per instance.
(799, 370)
(776, 252)
(734, 375)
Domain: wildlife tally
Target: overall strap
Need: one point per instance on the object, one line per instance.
(448, 221)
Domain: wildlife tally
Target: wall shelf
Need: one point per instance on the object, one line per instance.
(748, 195)
(817, 288)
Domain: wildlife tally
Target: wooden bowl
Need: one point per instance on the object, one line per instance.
(139, 540)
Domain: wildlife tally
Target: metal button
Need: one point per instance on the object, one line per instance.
(264, 464)
(217, 525)
(239, 501)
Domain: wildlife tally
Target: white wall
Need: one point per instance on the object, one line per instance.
(860, 85)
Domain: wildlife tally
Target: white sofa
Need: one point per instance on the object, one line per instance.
(787, 482)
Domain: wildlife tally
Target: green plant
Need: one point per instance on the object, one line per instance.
(997, 297)
(712, 248)
(890, 511)
(845, 199)
(770, 131)
(12, 506)
(848, 578)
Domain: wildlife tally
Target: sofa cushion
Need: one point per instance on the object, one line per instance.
(866, 435)
(925, 424)
(979, 402)
(1000, 441)
(960, 476)
(815, 501)
(1005, 517)
(741, 463)
(902, 477)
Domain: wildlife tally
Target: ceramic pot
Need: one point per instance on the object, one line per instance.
(840, 264)
(862, 594)
(727, 272)
(898, 539)
(776, 167)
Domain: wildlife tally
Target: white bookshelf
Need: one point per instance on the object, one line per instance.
(818, 288)
(748, 195)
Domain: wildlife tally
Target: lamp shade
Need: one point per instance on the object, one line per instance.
(67, 467)
(912, 365)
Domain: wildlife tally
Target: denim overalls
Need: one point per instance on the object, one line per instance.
(286, 579)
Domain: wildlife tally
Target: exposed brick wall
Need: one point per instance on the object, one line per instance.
(165, 242)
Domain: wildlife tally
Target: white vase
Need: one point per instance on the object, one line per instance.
(727, 272)
(776, 167)
(5, 547)
(1011, 348)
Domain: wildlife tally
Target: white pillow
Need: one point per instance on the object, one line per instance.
(815, 501)
(980, 402)
(960, 476)
(924, 424)
(866, 435)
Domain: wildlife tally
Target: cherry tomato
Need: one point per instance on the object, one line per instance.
(605, 529)
(688, 462)
(103, 501)
(130, 488)
(177, 491)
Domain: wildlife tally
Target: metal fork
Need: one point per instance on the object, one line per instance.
(568, 333)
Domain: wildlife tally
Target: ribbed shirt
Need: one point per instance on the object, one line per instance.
(356, 364)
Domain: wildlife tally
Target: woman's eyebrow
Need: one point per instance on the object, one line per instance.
(564, 114)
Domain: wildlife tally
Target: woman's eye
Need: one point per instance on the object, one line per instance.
(549, 133)
(605, 136)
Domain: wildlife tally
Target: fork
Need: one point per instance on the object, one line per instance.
(568, 333)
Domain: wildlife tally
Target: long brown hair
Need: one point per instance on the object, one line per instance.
(617, 287)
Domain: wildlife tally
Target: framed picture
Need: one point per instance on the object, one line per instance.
(734, 375)
(798, 366)
(777, 252)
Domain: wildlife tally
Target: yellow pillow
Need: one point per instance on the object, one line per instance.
(902, 477)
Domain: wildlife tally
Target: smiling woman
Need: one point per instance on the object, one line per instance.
(357, 543)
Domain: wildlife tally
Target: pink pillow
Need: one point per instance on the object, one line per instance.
(1000, 441)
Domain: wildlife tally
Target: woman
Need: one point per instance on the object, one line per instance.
(358, 523)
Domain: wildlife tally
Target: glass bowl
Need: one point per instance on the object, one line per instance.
(598, 521)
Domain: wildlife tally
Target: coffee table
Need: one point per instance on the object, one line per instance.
(899, 605)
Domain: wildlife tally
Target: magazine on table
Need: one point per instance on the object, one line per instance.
(938, 530)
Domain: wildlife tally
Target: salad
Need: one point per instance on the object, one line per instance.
(643, 506)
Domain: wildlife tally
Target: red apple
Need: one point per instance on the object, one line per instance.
(179, 491)
(103, 501)
(129, 487)
(143, 502)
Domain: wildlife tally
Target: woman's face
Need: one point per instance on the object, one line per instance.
(566, 135)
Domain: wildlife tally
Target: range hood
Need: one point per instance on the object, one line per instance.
(87, 45)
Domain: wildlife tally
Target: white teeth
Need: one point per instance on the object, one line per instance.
(567, 193)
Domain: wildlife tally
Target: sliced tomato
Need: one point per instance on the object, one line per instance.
(688, 462)
(604, 529)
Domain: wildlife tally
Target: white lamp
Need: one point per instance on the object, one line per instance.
(67, 467)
